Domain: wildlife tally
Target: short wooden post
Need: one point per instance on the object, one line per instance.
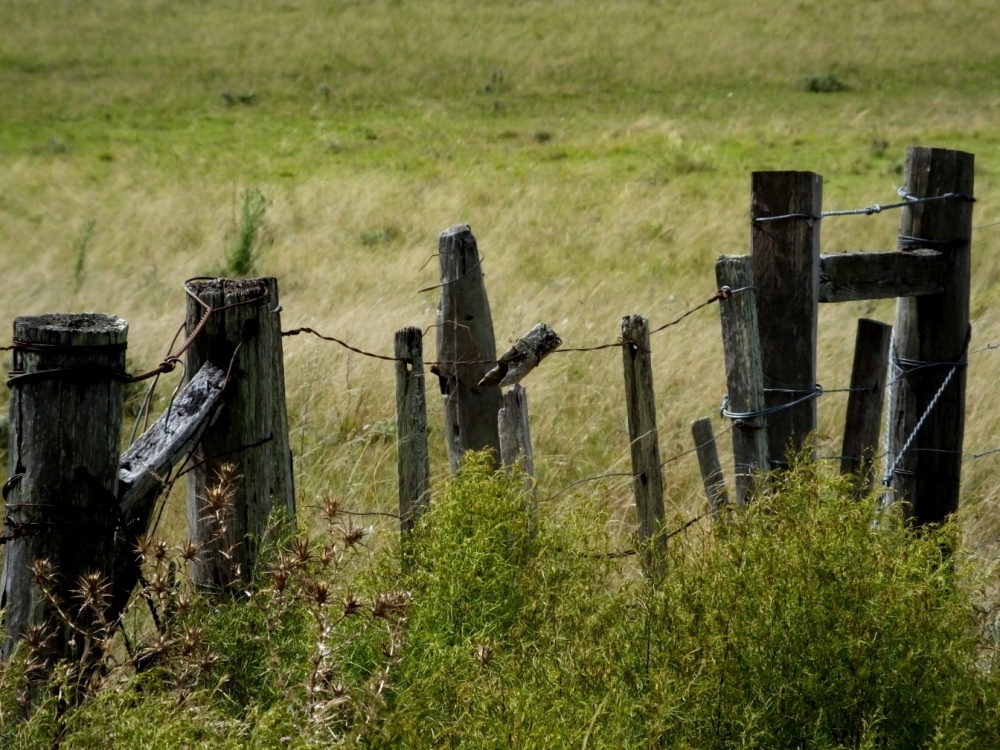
(249, 441)
(515, 435)
(741, 343)
(786, 267)
(466, 348)
(864, 404)
(644, 441)
(61, 508)
(413, 464)
(931, 340)
(708, 463)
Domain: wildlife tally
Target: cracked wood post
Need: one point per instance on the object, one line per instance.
(466, 348)
(744, 379)
(708, 462)
(933, 328)
(145, 466)
(67, 392)
(640, 403)
(515, 434)
(786, 265)
(864, 407)
(251, 432)
(412, 462)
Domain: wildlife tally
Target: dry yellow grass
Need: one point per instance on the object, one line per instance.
(600, 152)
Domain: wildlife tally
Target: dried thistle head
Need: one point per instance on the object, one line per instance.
(301, 551)
(93, 591)
(318, 591)
(281, 574)
(390, 604)
(43, 572)
(190, 639)
(188, 551)
(331, 507)
(352, 604)
(354, 535)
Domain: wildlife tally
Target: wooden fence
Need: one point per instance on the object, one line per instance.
(74, 506)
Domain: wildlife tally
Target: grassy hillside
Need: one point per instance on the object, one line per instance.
(600, 151)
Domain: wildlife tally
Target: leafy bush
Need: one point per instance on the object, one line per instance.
(798, 623)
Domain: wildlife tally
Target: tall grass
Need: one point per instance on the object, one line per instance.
(798, 623)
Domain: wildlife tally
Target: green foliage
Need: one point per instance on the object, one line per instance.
(801, 624)
(243, 254)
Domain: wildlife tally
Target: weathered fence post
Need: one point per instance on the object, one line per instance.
(466, 347)
(248, 443)
(65, 419)
(744, 380)
(708, 463)
(413, 464)
(515, 434)
(644, 441)
(931, 339)
(786, 267)
(864, 404)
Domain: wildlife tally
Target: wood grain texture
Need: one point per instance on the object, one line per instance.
(65, 429)
(712, 477)
(466, 348)
(744, 379)
(251, 431)
(934, 328)
(412, 458)
(864, 407)
(786, 269)
(858, 276)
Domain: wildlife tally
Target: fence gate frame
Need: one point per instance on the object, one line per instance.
(928, 274)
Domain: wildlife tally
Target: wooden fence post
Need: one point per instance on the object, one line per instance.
(931, 339)
(864, 404)
(66, 403)
(515, 434)
(413, 464)
(744, 380)
(640, 403)
(786, 276)
(250, 437)
(708, 463)
(466, 348)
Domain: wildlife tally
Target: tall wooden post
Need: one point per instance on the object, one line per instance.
(644, 441)
(413, 464)
(864, 405)
(741, 344)
(786, 276)
(466, 348)
(931, 339)
(243, 338)
(61, 505)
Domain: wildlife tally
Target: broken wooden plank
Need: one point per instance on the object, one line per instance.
(526, 354)
(859, 276)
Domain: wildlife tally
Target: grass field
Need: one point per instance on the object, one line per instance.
(600, 151)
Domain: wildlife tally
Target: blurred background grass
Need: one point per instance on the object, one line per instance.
(600, 151)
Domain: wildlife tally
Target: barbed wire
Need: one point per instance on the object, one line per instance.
(908, 200)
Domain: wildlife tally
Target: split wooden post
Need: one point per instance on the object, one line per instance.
(145, 466)
(515, 435)
(931, 339)
(708, 462)
(466, 348)
(864, 404)
(67, 393)
(242, 336)
(786, 264)
(413, 464)
(744, 379)
(640, 403)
